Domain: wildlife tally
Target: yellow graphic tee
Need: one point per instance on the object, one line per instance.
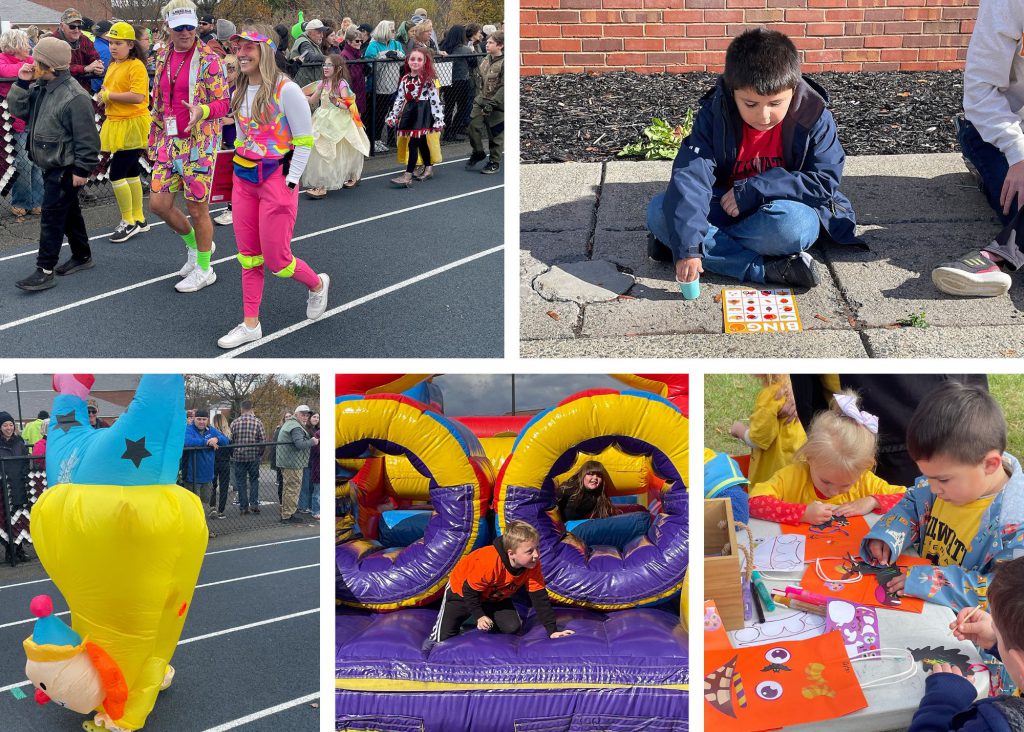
(951, 530)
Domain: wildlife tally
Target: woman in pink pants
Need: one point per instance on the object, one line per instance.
(274, 137)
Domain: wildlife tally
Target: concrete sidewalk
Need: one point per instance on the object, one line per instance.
(588, 288)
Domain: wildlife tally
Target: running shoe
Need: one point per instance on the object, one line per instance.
(240, 335)
(124, 232)
(973, 275)
(197, 279)
(316, 303)
(225, 219)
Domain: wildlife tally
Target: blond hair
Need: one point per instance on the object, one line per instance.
(270, 76)
(174, 5)
(516, 533)
(837, 441)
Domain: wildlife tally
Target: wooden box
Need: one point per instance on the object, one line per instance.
(722, 581)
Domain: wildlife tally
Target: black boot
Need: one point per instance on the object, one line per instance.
(796, 270)
(658, 251)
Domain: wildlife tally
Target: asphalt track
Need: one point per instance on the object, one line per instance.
(247, 658)
(414, 273)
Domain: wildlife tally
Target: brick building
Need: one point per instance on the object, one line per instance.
(652, 36)
(95, 9)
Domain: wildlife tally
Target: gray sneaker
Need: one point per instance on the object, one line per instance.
(316, 303)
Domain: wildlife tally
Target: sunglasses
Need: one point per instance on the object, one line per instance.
(75, 26)
(92, 411)
(184, 28)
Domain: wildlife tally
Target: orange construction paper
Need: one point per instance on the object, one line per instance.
(771, 686)
(835, 539)
(865, 592)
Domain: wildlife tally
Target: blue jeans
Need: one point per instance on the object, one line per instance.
(306, 494)
(248, 472)
(737, 247)
(27, 191)
(991, 164)
(616, 531)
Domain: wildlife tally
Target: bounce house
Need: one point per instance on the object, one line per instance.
(625, 667)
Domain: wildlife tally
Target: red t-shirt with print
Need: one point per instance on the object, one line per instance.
(759, 151)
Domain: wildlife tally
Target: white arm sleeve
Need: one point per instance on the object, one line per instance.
(990, 56)
(300, 122)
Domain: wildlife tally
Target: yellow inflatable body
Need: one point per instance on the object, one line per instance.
(125, 557)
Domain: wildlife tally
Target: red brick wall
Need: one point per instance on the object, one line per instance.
(691, 35)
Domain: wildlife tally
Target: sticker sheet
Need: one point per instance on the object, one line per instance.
(760, 311)
(857, 624)
(767, 687)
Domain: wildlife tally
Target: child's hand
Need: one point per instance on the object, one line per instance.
(687, 270)
(817, 513)
(947, 668)
(1013, 188)
(895, 585)
(878, 551)
(562, 633)
(978, 630)
(738, 429)
(729, 204)
(484, 623)
(857, 508)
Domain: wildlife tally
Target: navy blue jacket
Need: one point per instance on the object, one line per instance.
(202, 459)
(814, 161)
(947, 705)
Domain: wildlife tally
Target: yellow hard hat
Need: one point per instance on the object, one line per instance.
(121, 32)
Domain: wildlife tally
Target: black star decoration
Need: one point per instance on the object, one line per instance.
(135, 450)
(67, 421)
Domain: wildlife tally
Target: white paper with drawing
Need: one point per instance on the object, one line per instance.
(784, 553)
(782, 625)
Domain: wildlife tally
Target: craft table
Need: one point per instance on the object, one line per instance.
(891, 706)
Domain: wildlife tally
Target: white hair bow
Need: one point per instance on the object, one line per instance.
(848, 405)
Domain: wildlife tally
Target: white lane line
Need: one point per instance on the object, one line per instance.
(254, 576)
(360, 301)
(215, 634)
(263, 713)
(154, 280)
(205, 584)
(237, 628)
(217, 210)
(209, 554)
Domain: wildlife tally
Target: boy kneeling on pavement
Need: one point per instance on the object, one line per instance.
(756, 183)
(64, 142)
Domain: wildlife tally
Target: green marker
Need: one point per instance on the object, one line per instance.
(762, 592)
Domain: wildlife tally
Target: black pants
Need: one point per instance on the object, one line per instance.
(381, 109)
(458, 98)
(221, 483)
(418, 148)
(124, 164)
(455, 611)
(62, 215)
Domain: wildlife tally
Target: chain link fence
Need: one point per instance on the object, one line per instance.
(23, 480)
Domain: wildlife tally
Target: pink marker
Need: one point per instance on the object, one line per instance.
(812, 597)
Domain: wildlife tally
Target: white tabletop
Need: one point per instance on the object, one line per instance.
(890, 706)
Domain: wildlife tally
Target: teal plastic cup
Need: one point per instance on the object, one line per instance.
(690, 290)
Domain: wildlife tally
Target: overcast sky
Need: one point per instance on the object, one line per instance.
(491, 394)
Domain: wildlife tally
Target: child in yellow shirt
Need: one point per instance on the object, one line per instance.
(832, 473)
(773, 439)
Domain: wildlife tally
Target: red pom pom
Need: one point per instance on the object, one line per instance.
(41, 606)
(41, 697)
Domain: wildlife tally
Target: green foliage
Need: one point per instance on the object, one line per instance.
(660, 141)
(914, 320)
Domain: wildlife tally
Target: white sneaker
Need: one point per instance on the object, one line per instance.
(197, 279)
(192, 261)
(241, 334)
(224, 219)
(316, 304)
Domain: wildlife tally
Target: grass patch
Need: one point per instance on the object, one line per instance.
(728, 397)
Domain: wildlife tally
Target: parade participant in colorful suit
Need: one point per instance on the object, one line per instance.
(274, 137)
(190, 95)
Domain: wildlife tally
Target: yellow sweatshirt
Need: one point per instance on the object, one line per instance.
(773, 440)
(792, 485)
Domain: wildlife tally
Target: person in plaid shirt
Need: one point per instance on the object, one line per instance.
(247, 430)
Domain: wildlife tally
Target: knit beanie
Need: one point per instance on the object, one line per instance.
(54, 53)
(6, 417)
(225, 29)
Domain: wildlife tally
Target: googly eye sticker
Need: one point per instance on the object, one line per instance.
(769, 690)
(777, 655)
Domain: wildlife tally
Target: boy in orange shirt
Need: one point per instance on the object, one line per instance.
(483, 583)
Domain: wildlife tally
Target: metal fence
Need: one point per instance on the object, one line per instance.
(23, 480)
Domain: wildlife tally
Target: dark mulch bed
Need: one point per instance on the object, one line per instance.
(590, 118)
